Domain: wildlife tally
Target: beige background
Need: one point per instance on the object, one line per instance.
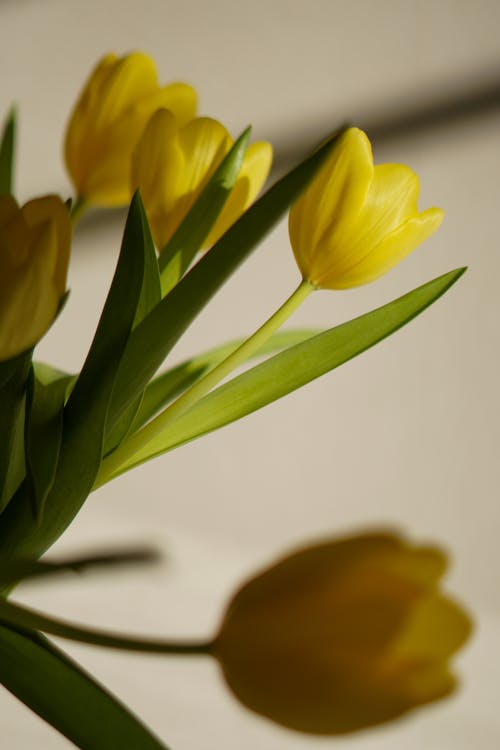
(406, 435)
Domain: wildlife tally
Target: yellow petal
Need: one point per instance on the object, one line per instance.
(30, 303)
(50, 208)
(436, 629)
(335, 196)
(203, 143)
(178, 98)
(157, 167)
(253, 174)
(390, 251)
(390, 200)
(34, 255)
(117, 101)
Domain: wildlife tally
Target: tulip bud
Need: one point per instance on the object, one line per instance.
(34, 256)
(173, 162)
(343, 635)
(117, 101)
(356, 220)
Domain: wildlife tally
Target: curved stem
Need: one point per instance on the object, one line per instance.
(140, 439)
(22, 617)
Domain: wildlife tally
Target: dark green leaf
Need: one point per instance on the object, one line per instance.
(12, 412)
(7, 148)
(59, 691)
(150, 296)
(44, 425)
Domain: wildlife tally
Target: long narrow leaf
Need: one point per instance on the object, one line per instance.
(44, 427)
(169, 384)
(291, 369)
(59, 691)
(154, 338)
(150, 297)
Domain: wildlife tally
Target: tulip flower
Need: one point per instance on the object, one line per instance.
(34, 256)
(356, 220)
(117, 101)
(344, 635)
(173, 162)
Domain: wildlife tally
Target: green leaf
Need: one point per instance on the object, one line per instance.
(14, 570)
(154, 338)
(293, 368)
(150, 296)
(22, 617)
(86, 410)
(59, 691)
(177, 255)
(44, 426)
(7, 147)
(170, 384)
(14, 378)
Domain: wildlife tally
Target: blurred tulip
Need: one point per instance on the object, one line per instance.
(34, 255)
(356, 221)
(343, 635)
(173, 162)
(117, 101)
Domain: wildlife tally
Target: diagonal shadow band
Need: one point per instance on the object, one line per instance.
(476, 100)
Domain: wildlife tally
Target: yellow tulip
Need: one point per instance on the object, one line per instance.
(356, 220)
(117, 101)
(343, 635)
(173, 162)
(34, 255)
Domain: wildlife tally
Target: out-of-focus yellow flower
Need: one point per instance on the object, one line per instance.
(356, 221)
(117, 101)
(173, 162)
(34, 256)
(343, 635)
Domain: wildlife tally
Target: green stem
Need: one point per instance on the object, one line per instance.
(22, 617)
(140, 439)
(78, 209)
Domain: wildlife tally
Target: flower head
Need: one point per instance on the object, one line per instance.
(34, 256)
(356, 220)
(343, 635)
(173, 162)
(117, 101)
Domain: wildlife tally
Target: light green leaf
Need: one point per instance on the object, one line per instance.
(154, 338)
(177, 255)
(7, 148)
(292, 368)
(170, 384)
(86, 410)
(59, 691)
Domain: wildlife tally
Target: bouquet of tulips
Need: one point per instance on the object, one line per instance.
(333, 638)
